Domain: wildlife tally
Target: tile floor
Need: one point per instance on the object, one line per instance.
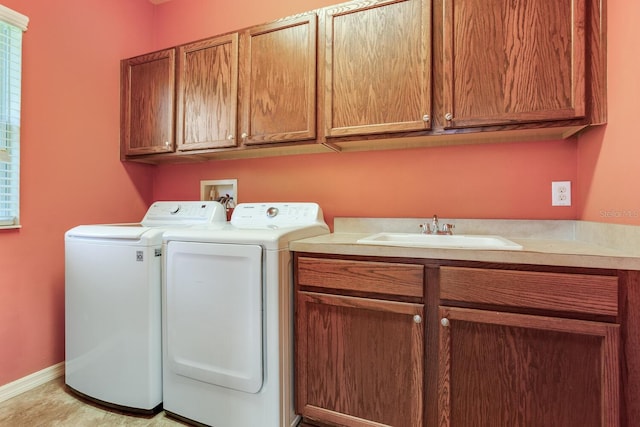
(51, 404)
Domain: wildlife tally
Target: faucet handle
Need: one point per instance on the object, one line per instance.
(448, 228)
(425, 228)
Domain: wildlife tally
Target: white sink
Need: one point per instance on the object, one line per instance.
(459, 241)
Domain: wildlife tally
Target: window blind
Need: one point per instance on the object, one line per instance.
(12, 25)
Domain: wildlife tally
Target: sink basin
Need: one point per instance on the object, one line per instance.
(460, 241)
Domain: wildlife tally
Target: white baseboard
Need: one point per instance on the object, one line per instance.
(29, 382)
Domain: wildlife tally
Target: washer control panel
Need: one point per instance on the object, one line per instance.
(294, 214)
(186, 212)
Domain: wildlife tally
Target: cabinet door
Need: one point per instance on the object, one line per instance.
(377, 67)
(509, 62)
(207, 93)
(359, 362)
(502, 369)
(278, 81)
(147, 103)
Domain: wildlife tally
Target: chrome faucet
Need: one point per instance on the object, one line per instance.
(435, 225)
(436, 228)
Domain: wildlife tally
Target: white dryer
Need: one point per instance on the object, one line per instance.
(113, 305)
(228, 316)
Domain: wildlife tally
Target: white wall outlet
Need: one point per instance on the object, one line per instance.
(561, 193)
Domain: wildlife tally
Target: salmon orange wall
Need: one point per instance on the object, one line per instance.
(487, 181)
(70, 171)
(490, 181)
(609, 159)
(181, 21)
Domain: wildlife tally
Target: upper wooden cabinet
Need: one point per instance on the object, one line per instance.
(377, 67)
(278, 81)
(233, 91)
(372, 74)
(147, 104)
(512, 62)
(207, 75)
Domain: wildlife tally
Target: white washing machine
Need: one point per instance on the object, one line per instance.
(113, 300)
(228, 316)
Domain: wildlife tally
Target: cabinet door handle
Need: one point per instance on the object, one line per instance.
(448, 117)
(244, 135)
(444, 322)
(426, 118)
(417, 319)
(230, 137)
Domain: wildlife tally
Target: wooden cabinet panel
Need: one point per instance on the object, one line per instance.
(512, 369)
(383, 278)
(377, 62)
(278, 81)
(513, 62)
(360, 75)
(630, 346)
(147, 98)
(493, 368)
(207, 93)
(574, 293)
(359, 362)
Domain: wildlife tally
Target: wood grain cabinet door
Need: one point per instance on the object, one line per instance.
(505, 369)
(207, 94)
(377, 76)
(359, 361)
(278, 81)
(147, 104)
(510, 62)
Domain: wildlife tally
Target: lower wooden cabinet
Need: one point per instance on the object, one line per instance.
(359, 360)
(458, 344)
(502, 364)
(359, 342)
(505, 369)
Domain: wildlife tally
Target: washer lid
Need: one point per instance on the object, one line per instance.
(159, 217)
(112, 231)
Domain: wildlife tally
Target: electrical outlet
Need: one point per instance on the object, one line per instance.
(561, 193)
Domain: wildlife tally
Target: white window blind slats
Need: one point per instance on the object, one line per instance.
(12, 25)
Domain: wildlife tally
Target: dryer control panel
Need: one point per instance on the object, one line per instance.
(294, 214)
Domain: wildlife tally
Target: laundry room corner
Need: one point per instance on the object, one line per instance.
(70, 168)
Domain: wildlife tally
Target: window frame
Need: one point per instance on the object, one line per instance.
(12, 27)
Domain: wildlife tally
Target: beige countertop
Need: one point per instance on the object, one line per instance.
(545, 242)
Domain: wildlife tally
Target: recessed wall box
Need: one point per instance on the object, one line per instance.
(214, 189)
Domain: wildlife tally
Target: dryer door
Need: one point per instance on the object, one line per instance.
(213, 313)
